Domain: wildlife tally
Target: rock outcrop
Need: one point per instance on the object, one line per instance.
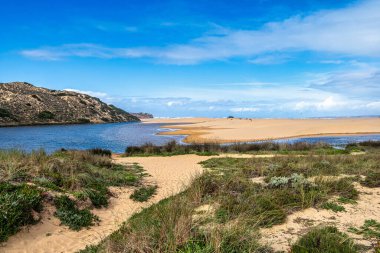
(24, 104)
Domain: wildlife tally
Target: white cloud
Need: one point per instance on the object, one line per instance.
(329, 103)
(353, 30)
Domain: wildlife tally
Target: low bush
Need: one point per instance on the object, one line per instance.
(333, 207)
(45, 115)
(17, 204)
(325, 239)
(101, 152)
(372, 180)
(4, 113)
(144, 193)
(69, 214)
(83, 121)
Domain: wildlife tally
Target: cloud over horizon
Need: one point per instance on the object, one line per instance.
(350, 31)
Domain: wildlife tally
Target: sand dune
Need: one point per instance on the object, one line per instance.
(239, 130)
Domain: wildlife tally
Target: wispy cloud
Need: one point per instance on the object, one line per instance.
(353, 30)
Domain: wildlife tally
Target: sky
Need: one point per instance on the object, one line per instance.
(191, 58)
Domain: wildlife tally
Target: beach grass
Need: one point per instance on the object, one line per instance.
(208, 149)
(70, 177)
(224, 209)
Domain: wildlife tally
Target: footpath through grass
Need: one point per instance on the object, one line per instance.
(223, 210)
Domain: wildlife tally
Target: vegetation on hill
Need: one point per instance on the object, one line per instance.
(224, 209)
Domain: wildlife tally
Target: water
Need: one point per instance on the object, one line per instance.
(116, 137)
(336, 141)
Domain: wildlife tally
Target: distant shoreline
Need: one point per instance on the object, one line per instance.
(201, 130)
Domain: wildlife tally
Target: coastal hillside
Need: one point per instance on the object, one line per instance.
(24, 104)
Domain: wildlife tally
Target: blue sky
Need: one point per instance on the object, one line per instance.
(263, 58)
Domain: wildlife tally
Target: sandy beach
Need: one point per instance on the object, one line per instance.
(222, 130)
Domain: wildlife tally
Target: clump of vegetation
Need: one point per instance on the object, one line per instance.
(17, 204)
(45, 115)
(71, 216)
(83, 121)
(144, 193)
(173, 148)
(370, 229)
(333, 207)
(325, 239)
(87, 175)
(4, 113)
(101, 152)
(372, 180)
(295, 180)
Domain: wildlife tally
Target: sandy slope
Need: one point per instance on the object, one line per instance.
(171, 174)
(232, 130)
(280, 237)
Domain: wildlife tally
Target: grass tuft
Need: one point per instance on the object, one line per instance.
(325, 239)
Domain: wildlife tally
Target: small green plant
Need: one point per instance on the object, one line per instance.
(325, 239)
(333, 207)
(344, 200)
(71, 216)
(16, 206)
(144, 193)
(370, 229)
(45, 115)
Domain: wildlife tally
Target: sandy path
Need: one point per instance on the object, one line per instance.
(280, 237)
(232, 130)
(171, 174)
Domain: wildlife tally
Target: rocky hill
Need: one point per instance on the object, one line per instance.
(24, 104)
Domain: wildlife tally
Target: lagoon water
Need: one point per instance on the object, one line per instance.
(116, 137)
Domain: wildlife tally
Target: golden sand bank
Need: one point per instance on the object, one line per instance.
(221, 130)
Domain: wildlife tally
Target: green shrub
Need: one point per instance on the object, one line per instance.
(46, 115)
(144, 193)
(333, 207)
(71, 216)
(83, 121)
(372, 180)
(16, 206)
(4, 113)
(326, 239)
(101, 152)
